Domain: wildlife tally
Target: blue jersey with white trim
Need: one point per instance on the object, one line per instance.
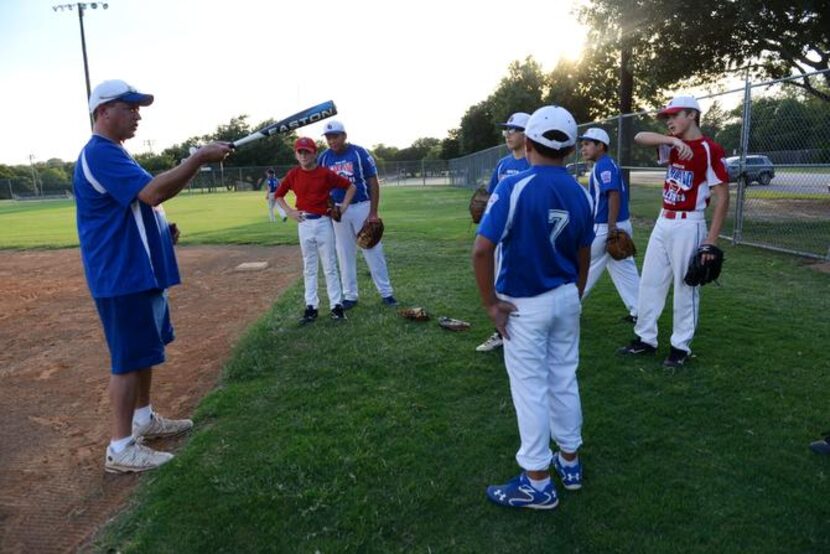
(507, 166)
(273, 183)
(540, 218)
(355, 164)
(126, 246)
(605, 177)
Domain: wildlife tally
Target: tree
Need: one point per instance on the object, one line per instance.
(450, 146)
(478, 129)
(520, 91)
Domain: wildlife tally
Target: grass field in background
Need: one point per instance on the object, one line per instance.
(380, 435)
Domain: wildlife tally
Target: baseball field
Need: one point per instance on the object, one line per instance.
(380, 434)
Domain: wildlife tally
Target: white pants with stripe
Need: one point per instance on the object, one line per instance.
(317, 243)
(346, 231)
(670, 247)
(623, 272)
(542, 356)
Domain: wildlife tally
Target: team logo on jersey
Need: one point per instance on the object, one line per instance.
(680, 178)
(344, 169)
(508, 173)
(605, 177)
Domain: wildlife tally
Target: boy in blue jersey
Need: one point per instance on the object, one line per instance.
(541, 219)
(357, 165)
(129, 262)
(609, 194)
(513, 163)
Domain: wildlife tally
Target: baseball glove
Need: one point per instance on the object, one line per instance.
(700, 272)
(478, 203)
(415, 314)
(334, 209)
(370, 234)
(619, 245)
(451, 324)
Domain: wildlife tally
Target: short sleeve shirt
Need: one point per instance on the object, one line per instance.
(687, 183)
(507, 166)
(606, 177)
(126, 246)
(312, 188)
(355, 164)
(273, 183)
(541, 218)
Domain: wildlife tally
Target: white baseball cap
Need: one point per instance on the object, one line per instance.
(116, 89)
(551, 118)
(333, 127)
(517, 121)
(595, 133)
(679, 103)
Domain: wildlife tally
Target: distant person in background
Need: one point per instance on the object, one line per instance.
(129, 262)
(272, 183)
(513, 163)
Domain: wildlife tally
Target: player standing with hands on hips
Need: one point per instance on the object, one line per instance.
(696, 171)
(541, 219)
(312, 185)
(609, 194)
(357, 165)
(513, 163)
(129, 262)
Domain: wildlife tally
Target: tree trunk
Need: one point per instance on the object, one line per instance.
(624, 133)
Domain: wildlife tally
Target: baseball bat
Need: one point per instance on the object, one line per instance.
(291, 123)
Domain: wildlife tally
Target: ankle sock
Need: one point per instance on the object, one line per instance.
(141, 416)
(118, 445)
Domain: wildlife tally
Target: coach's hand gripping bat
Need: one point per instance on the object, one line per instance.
(291, 123)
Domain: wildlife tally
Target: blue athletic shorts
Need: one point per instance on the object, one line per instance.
(137, 327)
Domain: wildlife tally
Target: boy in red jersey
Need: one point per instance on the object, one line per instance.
(311, 185)
(696, 171)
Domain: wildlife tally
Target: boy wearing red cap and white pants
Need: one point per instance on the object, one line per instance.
(696, 171)
(312, 185)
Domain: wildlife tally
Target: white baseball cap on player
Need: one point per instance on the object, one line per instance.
(679, 103)
(552, 118)
(595, 133)
(116, 89)
(333, 127)
(517, 121)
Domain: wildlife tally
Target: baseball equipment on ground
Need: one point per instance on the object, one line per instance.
(291, 123)
(415, 314)
(700, 272)
(370, 234)
(619, 245)
(451, 324)
(478, 203)
(334, 209)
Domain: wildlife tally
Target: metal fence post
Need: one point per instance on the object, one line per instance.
(737, 233)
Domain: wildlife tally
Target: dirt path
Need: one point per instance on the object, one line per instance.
(54, 372)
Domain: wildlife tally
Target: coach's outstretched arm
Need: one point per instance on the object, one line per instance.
(648, 138)
(170, 183)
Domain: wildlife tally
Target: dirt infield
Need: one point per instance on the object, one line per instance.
(54, 371)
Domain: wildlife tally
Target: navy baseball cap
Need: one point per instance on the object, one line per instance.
(116, 89)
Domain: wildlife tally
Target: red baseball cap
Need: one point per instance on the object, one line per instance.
(305, 143)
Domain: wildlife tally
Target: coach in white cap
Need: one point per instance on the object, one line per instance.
(129, 262)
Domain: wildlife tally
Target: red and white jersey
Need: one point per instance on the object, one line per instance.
(687, 183)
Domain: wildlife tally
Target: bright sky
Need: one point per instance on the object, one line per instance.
(396, 70)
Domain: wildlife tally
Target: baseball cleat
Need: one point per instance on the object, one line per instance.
(349, 304)
(519, 493)
(159, 427)
(636, 347)
(493, 342)
(309, 315)
(135, 458)
(629, 319)
(337, 313)
(821, 446)
(676, 357)
(390, 301)
(571, 476)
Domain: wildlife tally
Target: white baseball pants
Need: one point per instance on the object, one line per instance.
(317, 242)
(346, 231)
(670, 247)
(273, 204)
(542, 356)
(623, 273)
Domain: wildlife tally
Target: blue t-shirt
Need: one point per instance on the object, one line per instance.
(507, 166)
(540, 218)
(355, 164)
(126, 244)
(273, 183)
(606, 176)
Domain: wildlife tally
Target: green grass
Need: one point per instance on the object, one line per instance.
(380, 435)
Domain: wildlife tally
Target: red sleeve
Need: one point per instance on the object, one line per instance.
(285, 185)
(337, 181)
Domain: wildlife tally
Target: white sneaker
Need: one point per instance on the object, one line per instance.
(495, 341)
(135, 457)
(159, 426)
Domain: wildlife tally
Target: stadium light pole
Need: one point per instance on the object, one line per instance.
(81, 6)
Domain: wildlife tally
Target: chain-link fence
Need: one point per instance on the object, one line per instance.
(474, 170)
(27, 188)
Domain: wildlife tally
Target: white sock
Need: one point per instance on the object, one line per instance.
(120, 444)
(568, 463)
(539, 485)
(141, 416)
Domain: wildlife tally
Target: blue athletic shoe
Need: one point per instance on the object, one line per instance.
(571, 476)
(349, 304)
(519, 493)
(390, 301)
